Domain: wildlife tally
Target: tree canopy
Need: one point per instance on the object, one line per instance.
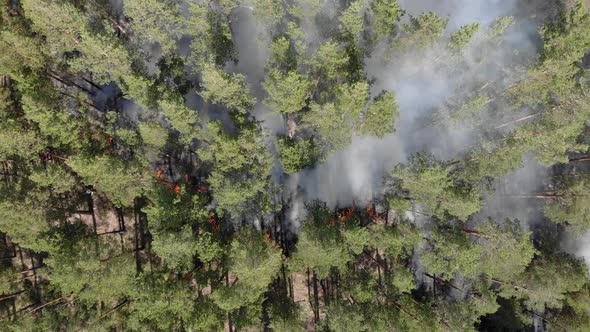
(301, 165)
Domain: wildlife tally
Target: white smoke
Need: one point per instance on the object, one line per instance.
(461, 12)
(423, 82)
(578, 246)
(354, 174)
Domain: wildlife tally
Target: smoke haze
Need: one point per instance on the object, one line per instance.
(423, 83)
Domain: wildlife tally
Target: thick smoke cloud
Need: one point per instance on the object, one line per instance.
(422, 83)
(579, 246)
(512, 199)
(252, 43)
(461, 12)
(355, 174)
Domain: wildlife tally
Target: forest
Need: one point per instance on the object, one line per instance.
(295, 165)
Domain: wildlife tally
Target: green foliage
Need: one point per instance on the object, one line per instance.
(575, 316)
(331, 125)
(162, 305)
(320, 253)
(97, 128)
(212, 36)
(562, 125)
(242, 164)
(342, 319)
(89, 267)
(451, 253)
(255, 262)
(498, 251)
(351, 99)
(171, 211)
(329, 61)
(54, 177)
(508, 249)
(403, 280)
(320, 243)
(417, 316)
(498, 28)
(20, 54)
(335, 122)
(305, 9)
(470, 111)
(153, 134)
(16, 142)
(463, 316)
(287, 93)
(462, 37)
(182, 118)
(546, 281)
(24, 221)
(352, 18)
(565, 42)
(56, 126)
(176, 249)
(572, 205)
(432, 184)
(154, 21)
(494, 161)
(386, 15)
(395, 241)
(422, 31)
(269, 12)
(380, 116)
(55, 20)
(296, 155)
(227, 89)
(107, 58)
(399, 204)
(122, 182)
(283, 55)
(7, 281)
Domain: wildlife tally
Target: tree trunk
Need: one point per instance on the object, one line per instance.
(517, 121)
(98, 87)
(22, 261)
(114, 309)
(33, 269)
(82, 101)
(137, 230)
(44, 305)
(538, 196)
(316, 297)
(583, 158)
(9, 296)
(67, 82)
(474, 233)
(229, 324)
(15, 312)
(325, 291)
(309, 292)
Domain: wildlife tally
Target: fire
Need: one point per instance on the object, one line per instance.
(213, 222)
(373, 214)
(159, 174)
(343, 216)
(268, 238)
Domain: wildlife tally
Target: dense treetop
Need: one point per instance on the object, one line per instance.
(158, 157)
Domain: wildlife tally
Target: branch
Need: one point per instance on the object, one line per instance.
(113, 310)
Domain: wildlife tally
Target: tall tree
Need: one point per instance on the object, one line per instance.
(241, 164)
